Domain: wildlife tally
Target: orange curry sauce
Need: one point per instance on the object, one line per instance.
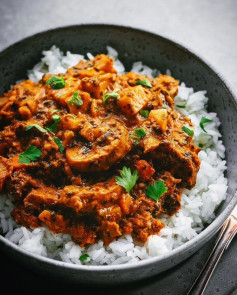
(84, 144)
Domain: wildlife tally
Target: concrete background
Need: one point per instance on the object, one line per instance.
(208, 27)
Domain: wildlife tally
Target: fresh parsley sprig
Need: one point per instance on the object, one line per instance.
(59, 143)
(75, 99)
(84, 257)
(28, 127)
(144, 113)
(113, 94)
(181, 106)
(56, 83)
(140, 132)
(156, 190)
(32, 154)
(188, 131)
(127, 179)
(144, 82)
(54, 126)
(203, 121)
(55, 111)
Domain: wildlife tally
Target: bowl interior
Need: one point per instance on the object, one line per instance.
(134, 45)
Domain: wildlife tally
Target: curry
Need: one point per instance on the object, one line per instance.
(95, 154)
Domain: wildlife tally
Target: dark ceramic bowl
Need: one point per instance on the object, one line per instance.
(156, 52)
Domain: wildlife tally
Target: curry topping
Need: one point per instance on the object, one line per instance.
(95, 154)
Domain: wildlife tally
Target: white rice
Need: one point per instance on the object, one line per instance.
(198, 204)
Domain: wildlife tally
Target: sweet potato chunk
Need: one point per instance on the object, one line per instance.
(104, 63)
(133, 99)
(161, 117)
(145, 170)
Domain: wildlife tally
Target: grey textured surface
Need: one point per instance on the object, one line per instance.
(210, 29)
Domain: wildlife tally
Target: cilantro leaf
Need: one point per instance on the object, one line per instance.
(144, 82)
(134, 136)
(59, 143)
(181, 106)
(54, 111)
(144, 113)
(56, 118)
(75, 99)
(188, 131)
(54, 126)
(200, 145)
(113, 94)
(128, 179)
(156, 190)
(140, 132)
(84, 257)
(203, 121)
(56, 83)
(32, 154)
(28, 127)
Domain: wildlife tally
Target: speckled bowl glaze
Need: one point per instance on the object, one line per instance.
(156, 52)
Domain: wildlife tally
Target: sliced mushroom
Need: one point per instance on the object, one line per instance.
(106, 150)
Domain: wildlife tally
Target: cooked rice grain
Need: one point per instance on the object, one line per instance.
(198, 204)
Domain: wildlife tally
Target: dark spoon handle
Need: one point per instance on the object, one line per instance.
(228, 231)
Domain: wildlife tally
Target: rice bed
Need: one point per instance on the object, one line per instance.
(198, 204)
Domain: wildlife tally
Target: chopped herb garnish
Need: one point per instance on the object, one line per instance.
(32, 154)
(140, 132)
(136, 142)
(84, 257)
(113, 94)
(200, 145)
(134, 136)
(145, 82)
(56, 83)
(56, 118)
(181, 106)
(28, 127)
(54, 111)
(54, 126)
(203, 121)
(59, 143)
(144, 113)
(75, 99)
(74, 116)
(156, 190)
(127, 179)
(188, 131)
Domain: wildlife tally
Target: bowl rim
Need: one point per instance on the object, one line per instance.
(210, 230)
